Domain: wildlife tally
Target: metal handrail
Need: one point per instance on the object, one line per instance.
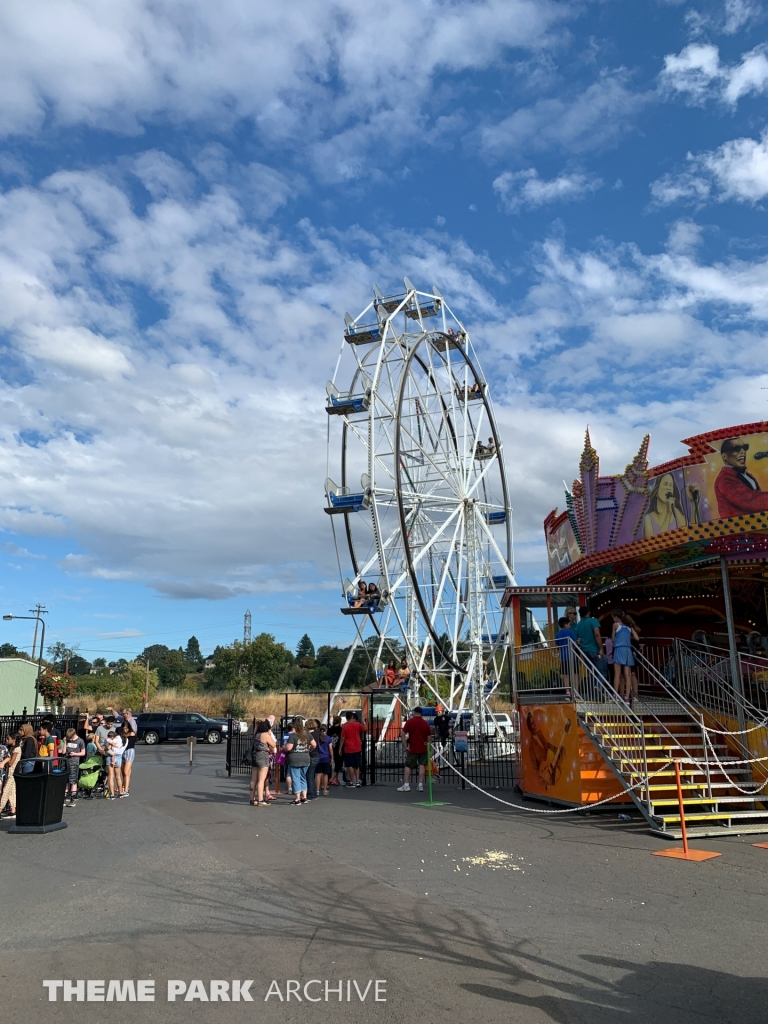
(618, 723)
(687, 708)
(707, 676)
(713, 664)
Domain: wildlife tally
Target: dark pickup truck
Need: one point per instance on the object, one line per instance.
(153, 727)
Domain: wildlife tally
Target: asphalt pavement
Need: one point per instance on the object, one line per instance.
(466, 911)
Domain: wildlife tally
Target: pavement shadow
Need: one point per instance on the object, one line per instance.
(658, 992)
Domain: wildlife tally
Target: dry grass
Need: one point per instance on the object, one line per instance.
(214, 704)
(256, 705)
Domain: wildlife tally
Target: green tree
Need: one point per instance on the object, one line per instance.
(266, 661)
(172, 671)
(305, 648)
(193, 657)
(9, 651)
(79, 666)
(156, 654)
(60, 655)
(133, 683)
(261, 663)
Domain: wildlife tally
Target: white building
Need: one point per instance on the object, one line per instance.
(17, 685)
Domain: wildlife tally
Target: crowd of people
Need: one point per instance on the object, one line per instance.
(107, 746)
(611, 656)
(318, 756)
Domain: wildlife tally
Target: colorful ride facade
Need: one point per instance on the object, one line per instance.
(653, 539)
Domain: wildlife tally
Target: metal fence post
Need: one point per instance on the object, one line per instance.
(371, 744)
(229, 748)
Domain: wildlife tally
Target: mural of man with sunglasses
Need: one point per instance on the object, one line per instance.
(737, 490)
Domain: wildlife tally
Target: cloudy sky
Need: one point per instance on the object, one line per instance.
(192, 194)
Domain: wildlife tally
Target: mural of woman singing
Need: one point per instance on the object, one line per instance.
(665, 511)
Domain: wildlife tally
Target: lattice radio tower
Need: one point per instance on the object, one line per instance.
(247, 627)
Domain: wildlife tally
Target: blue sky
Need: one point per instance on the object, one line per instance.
(193, 194)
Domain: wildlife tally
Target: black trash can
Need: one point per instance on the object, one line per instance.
(40, 796)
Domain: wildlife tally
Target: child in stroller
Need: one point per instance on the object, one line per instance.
(92, 776)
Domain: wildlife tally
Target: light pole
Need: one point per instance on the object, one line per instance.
(37, 618)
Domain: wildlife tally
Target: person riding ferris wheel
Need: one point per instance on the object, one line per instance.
(421, 502)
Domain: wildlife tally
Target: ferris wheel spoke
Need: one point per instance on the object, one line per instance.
(446, 557)
(443, 418)
(432, 541)
(492, 541)
(395, 535)
(432, 462)
(481, 476)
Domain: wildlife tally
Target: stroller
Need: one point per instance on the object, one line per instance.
(91, 776)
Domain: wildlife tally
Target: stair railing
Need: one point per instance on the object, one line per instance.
(703, 675)
(617, 729)
(686, 708)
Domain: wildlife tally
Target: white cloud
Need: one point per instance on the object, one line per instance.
(739, 13)
(697, 74)
(732, 17)
(520, 189)
(303, 72)
(593, 118)
(168, 453)
(737, 170)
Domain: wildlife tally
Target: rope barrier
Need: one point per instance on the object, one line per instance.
(536, 810)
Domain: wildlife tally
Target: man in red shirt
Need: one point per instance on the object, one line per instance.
(415, 734)
(737, 491)
(351, 746)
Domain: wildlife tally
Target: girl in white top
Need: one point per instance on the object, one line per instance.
(114, 763)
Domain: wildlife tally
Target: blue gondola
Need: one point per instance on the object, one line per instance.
(490, 638)
(465, 394)
(442, 342)
(370, 607)
(361, 334)
(420, 306)
(483, 452)
(496, 518)
(346, 404)
(342, 500)
(388, 303)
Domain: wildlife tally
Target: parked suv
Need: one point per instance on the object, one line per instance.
(153, 727)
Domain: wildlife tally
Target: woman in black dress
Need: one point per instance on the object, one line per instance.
(128, 737)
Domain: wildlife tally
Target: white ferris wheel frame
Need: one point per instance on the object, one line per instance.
(465, 516)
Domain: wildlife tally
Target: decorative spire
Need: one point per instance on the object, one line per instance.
(589, 458)
(636, 473)
(569, 504)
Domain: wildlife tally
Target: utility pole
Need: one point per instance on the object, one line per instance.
(146, 689)
(247, 626)
(37, 612)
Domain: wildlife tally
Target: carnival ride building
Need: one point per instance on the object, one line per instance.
(682, 548)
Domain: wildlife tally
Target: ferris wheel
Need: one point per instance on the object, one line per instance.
(417, 495)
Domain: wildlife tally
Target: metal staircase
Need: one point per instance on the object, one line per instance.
(699, 724)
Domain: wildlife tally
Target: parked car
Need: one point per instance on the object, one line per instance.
(224, 723)
(154, 727)
(500, 724)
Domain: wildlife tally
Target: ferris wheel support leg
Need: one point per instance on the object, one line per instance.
(342, 675)
(385, 727)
